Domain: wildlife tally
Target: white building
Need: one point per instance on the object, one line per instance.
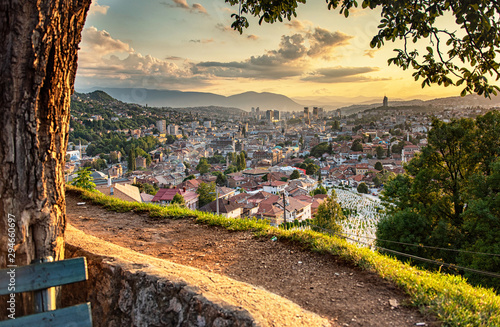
(275, 187)
(161, 125)
(173, 129)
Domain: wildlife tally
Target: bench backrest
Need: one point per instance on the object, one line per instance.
(42, 276)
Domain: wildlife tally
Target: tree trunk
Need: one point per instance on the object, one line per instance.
(38, 57)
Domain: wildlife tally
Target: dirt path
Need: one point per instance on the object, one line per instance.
(320, 283)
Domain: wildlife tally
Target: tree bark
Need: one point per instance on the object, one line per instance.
(38, 59)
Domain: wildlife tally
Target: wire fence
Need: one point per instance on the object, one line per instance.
(309, 225)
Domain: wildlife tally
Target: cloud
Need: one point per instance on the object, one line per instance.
(136, 70)
(356, 12)
(341, 75)
(323, 42)
(291, 47)
(204, 41)
(286, 61)
(96, 8)
(299, 25)
(291, 59)
(100, 43)
(224, 28)
(370, 53)
(322, 91)
(181, 4)
(255, 69)
(107, 61)
(252, 37)
(199, 8)
(196, 7)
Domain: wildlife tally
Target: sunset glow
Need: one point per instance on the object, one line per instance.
(179, 45)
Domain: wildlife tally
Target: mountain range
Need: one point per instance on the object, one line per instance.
(176, 99)
(267, 100)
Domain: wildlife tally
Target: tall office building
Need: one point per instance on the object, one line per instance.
(173, 129)
(277, 115)
(269, 115)
(161, 125)
(307, 118)
(315, 112)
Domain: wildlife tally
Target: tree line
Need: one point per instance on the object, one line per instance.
(449, 197)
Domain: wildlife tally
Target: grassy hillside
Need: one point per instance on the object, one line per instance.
(450, 298)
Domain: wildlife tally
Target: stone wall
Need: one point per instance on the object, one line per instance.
(127, 288)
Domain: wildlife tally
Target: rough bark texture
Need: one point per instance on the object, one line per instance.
(38, 56)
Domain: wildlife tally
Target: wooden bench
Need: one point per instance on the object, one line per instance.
(42, 278)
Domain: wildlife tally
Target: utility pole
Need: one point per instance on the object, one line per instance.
(217, 197)
(284, 207)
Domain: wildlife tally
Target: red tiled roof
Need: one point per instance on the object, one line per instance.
(357, 178)
(166, 194)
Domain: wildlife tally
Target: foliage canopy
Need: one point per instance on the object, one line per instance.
(84, 179)
(295, 174)
(178, 199)
(448, 197)
(329, 215)
(206, 192)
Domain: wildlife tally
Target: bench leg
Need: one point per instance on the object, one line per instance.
(45, 300)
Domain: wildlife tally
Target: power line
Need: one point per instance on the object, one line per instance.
(449, 265)
(424, 246)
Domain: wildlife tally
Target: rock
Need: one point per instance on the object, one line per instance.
(394, 303)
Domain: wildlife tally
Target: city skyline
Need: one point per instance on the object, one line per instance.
(180, 45)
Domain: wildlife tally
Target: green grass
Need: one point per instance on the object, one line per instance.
(450, 298)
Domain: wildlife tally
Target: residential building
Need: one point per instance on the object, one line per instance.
(361, 169)
(140, 162)
(164, 196)
(274, 187)
(161, 126)
(409, 152)
(173, 129)
(226, 208)
(124, 192)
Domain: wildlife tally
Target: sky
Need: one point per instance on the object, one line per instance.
(190, 46)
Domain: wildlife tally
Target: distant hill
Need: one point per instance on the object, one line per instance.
(97, 95)
(266, 100)
(471, 100)
(168, 98)
(101, 96)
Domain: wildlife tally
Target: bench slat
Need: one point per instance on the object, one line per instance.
(44, 275)
(75, 316)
